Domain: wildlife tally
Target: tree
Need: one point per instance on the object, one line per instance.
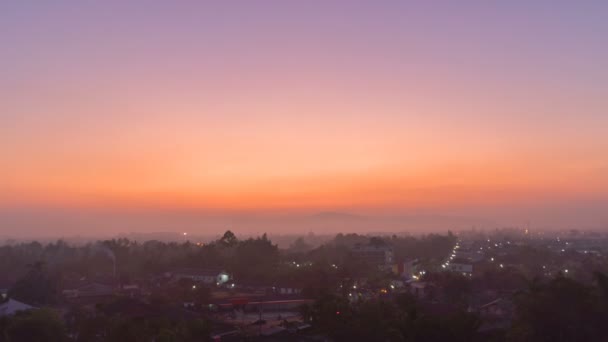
(299, 246)
(333, 315)
(456, 288)
(186, 290)
(229, 239)
(36, 287)
(402, 319)
(560, 310)
(377, 242)
(255, 259)
(35, 326)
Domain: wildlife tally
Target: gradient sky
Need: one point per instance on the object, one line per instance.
(464, 107)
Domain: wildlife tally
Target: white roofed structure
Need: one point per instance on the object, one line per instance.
(11, 306)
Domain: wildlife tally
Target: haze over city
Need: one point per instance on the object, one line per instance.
(303, 171)
(120, 117)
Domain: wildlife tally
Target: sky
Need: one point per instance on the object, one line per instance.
(496, 110)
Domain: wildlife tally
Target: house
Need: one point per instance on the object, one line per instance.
(226, 332)
(130, 290)
(496, 314)
(11, 306)
(496, 308)
(89, 290)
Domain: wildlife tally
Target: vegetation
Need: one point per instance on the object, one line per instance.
(401, 319)
(353, 300)
(32, 326)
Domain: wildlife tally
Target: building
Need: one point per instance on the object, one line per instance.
(89, 290)
(288, 290)
(11, 307)
(465, 269)
(497, 314)
(376, 255)
(217, 277)
(419, 289)
(406, 269)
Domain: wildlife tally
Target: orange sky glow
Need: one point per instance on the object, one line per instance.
(300, 109)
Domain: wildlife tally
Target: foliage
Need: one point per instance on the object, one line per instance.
(255, 259)
(36, 287)
(402, 319)
(38, 325)
(560, 310)
(228, 239)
